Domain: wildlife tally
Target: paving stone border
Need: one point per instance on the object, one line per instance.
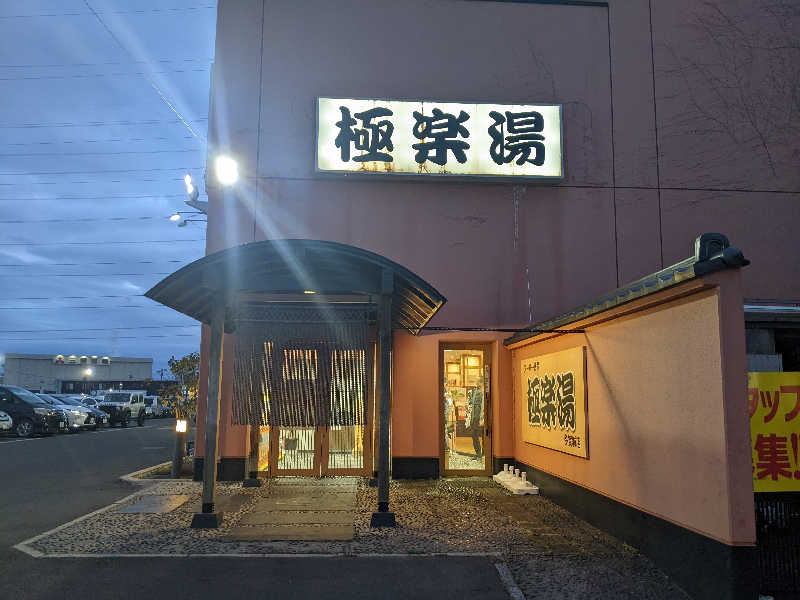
(543, 545)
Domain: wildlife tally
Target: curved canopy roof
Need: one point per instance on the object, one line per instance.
(294, 266)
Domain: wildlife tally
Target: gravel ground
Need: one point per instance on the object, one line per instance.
(550, 552)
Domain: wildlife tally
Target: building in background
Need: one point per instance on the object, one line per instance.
(71, 373)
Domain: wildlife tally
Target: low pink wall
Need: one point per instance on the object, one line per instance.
(666, 424)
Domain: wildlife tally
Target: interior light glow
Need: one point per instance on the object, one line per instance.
(309, 292)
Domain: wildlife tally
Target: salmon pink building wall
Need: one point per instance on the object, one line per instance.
(668, 424)
(416, 394)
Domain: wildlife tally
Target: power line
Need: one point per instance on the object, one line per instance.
(45, 275)
(128, 197)
(137, 180)
(127, 242)
(95, 181)
(97, 75)
(75, 297)
(112, 12)
(136, 337)
(102, 297)
(152, 83)
(101, 153)
(98, 328)
(96, 123)
(82, 307)
(149, 170)
(82, 264)
(90, 141)
(110, 62)
(84, 220)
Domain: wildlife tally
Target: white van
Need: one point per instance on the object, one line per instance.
(123, 406)
(154, 406)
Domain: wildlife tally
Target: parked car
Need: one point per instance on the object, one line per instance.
(30, 413)
(101, 418)
(92, 401)
(73, 417)
(154, 407)
(124, 405)
(5, 421)
(91, 418)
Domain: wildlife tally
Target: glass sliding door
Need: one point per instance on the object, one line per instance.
(465, 408)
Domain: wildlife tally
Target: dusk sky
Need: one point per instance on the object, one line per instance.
(92, 159)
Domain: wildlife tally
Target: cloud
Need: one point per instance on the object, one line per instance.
(24, 256)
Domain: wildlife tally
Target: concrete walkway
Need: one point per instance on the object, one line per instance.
(302, 509)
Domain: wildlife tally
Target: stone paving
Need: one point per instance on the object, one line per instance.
(550, 552)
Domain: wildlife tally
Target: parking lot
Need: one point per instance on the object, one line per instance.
(46, 480)
(7, 437)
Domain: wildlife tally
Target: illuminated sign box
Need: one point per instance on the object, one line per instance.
(553, 401)
(400, 137)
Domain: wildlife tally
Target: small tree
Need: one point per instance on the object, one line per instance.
(182, 397)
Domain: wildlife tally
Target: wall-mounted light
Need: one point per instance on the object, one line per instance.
(180, 426)
(191, 188)
(226, 169)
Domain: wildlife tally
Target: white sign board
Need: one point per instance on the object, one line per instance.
(439, 138)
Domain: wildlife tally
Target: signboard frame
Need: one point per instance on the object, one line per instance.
(774, 425)
(399, 175)
(523, 399)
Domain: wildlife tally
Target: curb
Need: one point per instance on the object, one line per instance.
(135, 477)
(24, 546)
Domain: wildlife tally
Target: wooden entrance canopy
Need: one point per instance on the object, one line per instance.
(208, 288)
(293, 267)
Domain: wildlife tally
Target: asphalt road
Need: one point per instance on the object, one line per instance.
(45, 482)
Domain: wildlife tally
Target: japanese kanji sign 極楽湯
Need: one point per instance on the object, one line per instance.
(439, 138)
(553, 401)
(774, 406)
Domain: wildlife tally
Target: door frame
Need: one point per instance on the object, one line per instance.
(486, 348)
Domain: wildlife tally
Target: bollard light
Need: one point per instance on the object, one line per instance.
(180, 426)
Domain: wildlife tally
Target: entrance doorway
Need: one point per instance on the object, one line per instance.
(465, 416)
(315, 451)
(303, 381)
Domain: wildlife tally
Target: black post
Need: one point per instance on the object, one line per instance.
(384, 518)
(252, 460)
(208, 518)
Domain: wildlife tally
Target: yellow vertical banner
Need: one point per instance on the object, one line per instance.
(774, 406)
(553, 401)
